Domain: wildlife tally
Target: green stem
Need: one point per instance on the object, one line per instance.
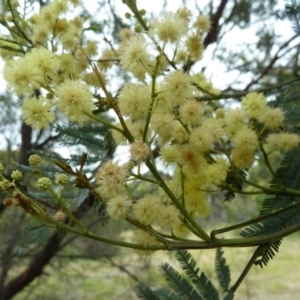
(93, 236)
(102, 121)
(153, 94)
(240, 94)
(246, 270)
(125, 132)
(16, 24)
(267, 162)
(201, 233)
(230, 188)
(252, 221)
(268, 190)
(144, 178)
(67, 211)
(132, 6)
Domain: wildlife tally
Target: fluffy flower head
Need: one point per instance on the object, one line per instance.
(201, 139)
(169, 27)
(245, 139)
(282, 141)
(235, 120)
(112, 173)
(44, 60)
(118, 207)
(242, 158)
(35, 112)
(196, 203)
(191, 112)
(168, 217)
(134, 100)
(272, 117)
(179, 87)
(22, 76)
(195, 47)
(134, 56)
(254, 104)
(145, 210)
(139, 151)
(74, 98)
(202, 23)
(217, 172)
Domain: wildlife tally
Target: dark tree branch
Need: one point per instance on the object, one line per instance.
(271, 63)
(26, 145)
(46, 142)
(212, 35)
(40, 261)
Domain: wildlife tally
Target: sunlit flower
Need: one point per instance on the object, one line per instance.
(35, 112)
(118, 207)
(22, 76)
(134, 56)
(282, 141)
(74, 98)
(254, 104)
(168, 28)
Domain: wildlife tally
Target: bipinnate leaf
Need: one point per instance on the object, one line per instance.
(179, 284)
(229, 296)
(165, 294)
(222, 270)
(144, 292)
(203, 285)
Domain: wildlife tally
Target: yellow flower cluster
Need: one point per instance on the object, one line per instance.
(159, 110)
(55, 63)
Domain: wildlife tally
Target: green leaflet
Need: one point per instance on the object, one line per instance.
(203, 285)
(179, 284)
(288, 176)
(144, 292)
(88, 136)
(40, 235)
(196, 286)
(222, 270)
(234, 182)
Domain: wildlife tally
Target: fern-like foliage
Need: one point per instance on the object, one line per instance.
(165, 294)
(288, 176)
(292, 9)
(288, 100)
(234, 182)
(195, 286)
(202, 283)
(179, 284)
(39, 235)
(222, 270)
(144, 292)
(89, 136)
(268, 254)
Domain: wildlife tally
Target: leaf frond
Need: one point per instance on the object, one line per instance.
(222, 270)
(233, 181)
(88, 136)
(178, 283)
(203, 285)
(165, 294)
(144, 292)
(292, 9)
(268, 254)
